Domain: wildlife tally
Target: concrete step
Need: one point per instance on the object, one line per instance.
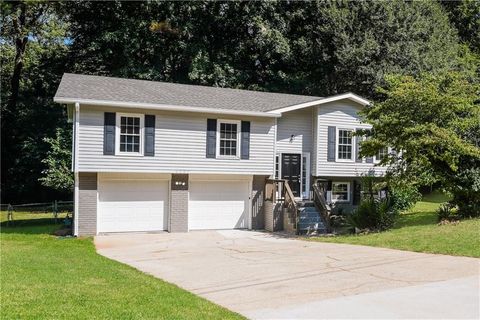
(305, 203)
(309, 219)
(310, 215)
(304, 227)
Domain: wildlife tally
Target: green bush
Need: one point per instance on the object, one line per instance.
(466, 191)
(446, 212)
(374, 214)
(404, 197)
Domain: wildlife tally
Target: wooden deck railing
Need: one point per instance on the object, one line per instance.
(291, 205)
(322, 206)
(279, 191)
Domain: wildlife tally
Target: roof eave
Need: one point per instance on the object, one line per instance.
(350, 96)
(138, 105)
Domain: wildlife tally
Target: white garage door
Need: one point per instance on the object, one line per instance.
(132, 205)
(218, 205)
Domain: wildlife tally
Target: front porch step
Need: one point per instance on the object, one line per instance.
(310, 220)
(305, 203)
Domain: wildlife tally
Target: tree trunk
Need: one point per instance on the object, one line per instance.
(20, 46)
(17, 71)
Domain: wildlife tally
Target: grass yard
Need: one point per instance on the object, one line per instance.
(43, 276)
(417, 230)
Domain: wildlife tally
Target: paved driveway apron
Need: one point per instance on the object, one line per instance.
(264, 276)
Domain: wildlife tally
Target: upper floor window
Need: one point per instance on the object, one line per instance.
(345, 144)
(340, 191)
(381, 154)
(228, 138)
(129, 134)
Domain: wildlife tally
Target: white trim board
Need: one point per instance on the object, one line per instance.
(276, 113)
(137, 105)
(350, 96)
(118, 133)
(238, 139)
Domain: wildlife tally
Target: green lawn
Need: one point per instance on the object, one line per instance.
(417, 230)
(43, 276)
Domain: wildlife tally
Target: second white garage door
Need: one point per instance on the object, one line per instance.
(218, 205)
(132, 205)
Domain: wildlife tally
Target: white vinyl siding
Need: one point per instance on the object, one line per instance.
(180, 145)
(299, 124)
(341, 114)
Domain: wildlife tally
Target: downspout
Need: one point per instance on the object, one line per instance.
(75, 167)
(275, 150)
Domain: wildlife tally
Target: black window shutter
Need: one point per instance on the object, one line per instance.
(109, 133)
(245, 140)
(358, 139)
(357, 187)
(149, 135)
(211, 138)
(332, 132)
(369, 159)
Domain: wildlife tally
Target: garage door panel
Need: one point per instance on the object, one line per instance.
(218, 205)
(131, 190)
(132, 205)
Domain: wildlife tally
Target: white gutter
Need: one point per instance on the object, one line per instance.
(351, 96)
(137, 105)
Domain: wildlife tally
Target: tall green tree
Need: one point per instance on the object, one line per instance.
(465, 16)
(58, 173)
(433, 123)
(316, 47)
(32, 62)
(351, 46)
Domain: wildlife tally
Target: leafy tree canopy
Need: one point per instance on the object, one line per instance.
(316, 47)
(58, 173)
(465, 16)
(433, 123)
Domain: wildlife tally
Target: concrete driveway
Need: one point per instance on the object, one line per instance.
(264, 276)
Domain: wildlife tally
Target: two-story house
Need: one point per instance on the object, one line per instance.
(152, 156)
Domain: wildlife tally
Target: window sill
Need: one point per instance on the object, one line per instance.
(127, 154)
(344, 160)
(341, 201)
(228, 157)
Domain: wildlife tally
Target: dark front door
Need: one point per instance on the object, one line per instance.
(291, 171)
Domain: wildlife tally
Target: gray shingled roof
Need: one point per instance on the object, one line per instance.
(77, 86)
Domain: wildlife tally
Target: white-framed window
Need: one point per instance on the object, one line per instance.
(340, 191)
(129, 134)
(345, 145)
(381, 154)
(228, 138)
